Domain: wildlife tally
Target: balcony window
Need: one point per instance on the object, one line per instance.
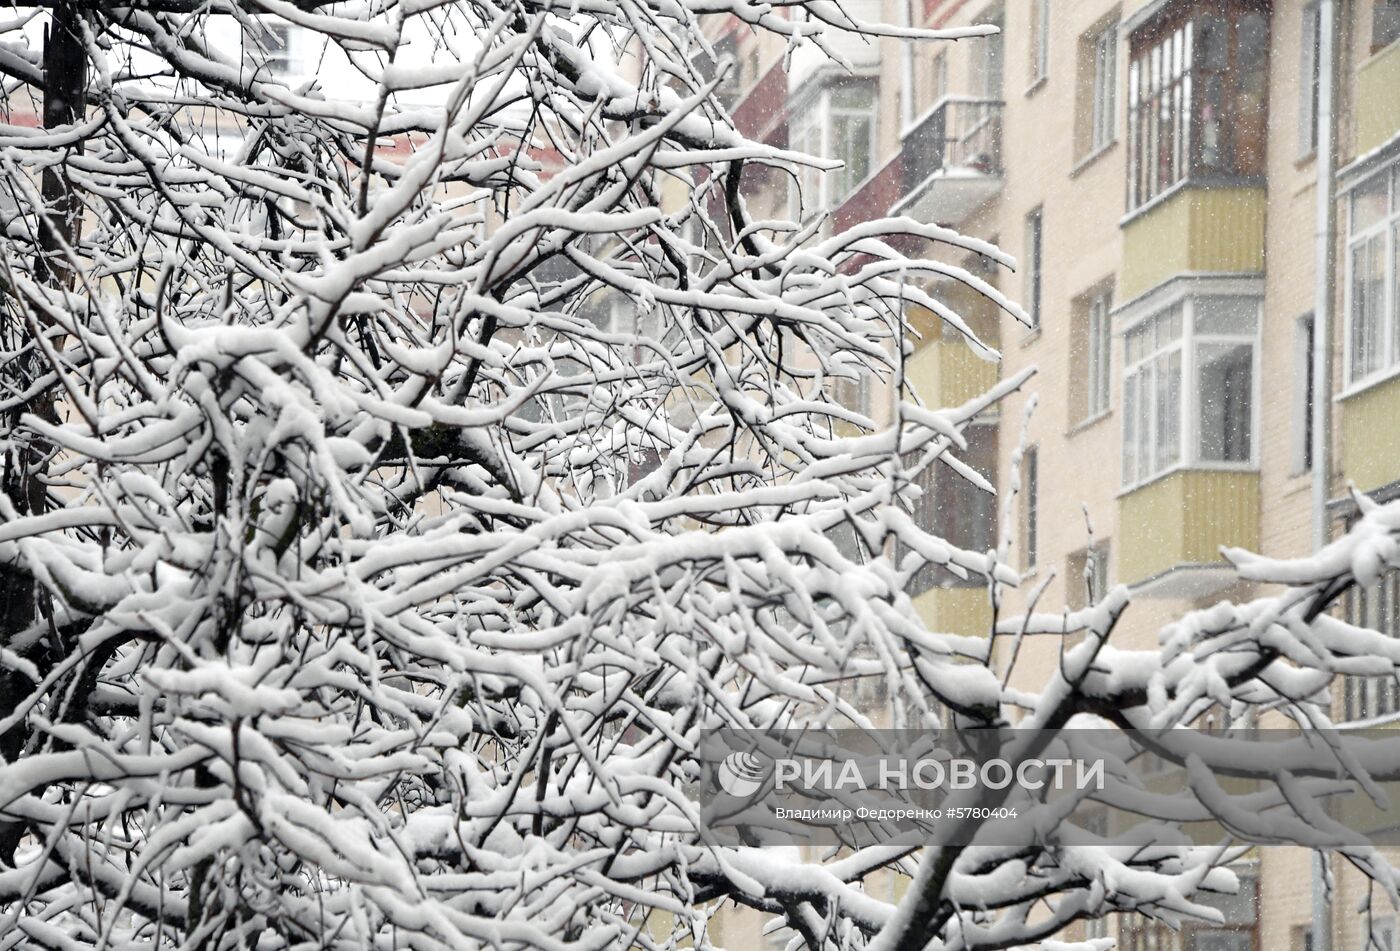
(1373, 306)
(1197, 97)
(836, 122)
(1209, 341)
(1376, 608)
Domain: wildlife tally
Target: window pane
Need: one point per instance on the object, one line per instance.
(1225, 389)
(1168, 411)
(1370, 203)
(1395, 294)
(1130, 428)
(1367, 292)
(1236, 316)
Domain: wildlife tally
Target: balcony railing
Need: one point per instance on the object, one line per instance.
(959, 133)
(959, 142)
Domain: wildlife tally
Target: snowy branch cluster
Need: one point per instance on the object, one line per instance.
(397, 485)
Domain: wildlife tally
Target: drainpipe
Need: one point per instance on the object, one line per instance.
(1322, 362)
(906, 78)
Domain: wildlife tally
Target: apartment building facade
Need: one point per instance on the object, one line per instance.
(1207, 224)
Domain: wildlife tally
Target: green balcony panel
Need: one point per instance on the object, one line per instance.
(1378, 99)
(1196, 230)
(1371, 435)
(1178, 523)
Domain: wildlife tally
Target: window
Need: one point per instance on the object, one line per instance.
(280, 46)
(1373, 248)
(1309, 69)
(1035, 239)
(940, 77)
(1197, 96)
(1090, 353)
(985, 63)
(1210, 342)
(1040, 40)
(954, 509)
(1098, 51)
(1302, 395)
(1376, 608)
(1030, 505)
(1099, 350)
(1087, 577)
(1385, 24)
(725, 60)
(837, 122)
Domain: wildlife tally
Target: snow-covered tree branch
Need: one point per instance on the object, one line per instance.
(400, 478)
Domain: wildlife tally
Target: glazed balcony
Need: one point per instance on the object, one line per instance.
(951, 160)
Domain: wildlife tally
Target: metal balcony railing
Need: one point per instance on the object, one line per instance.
(960, 132)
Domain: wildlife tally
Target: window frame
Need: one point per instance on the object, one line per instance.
(1034, 254)
(1099, 355)
(1103, 91)
(1300, 461)
(1187, 343)
(1039, 33)
(281, 48)
(1310, 77)
(816, 111)
(1387, 230)
(1030, 508)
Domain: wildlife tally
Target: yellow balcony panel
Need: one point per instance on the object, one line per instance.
(1377, 103)
(1197, 229)
(963, 609)
(946, 372)
(1371, 435)
(1172, 530)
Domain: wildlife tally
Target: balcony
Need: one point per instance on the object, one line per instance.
(945, 371)
(965, 610)
(1377, 105)
(1193, 229)
(1370, 438)
(951, 160)
(1173, 529)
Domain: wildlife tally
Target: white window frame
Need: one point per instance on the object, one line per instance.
(1099, 365)
(1103, 116)
(1385, 230)
(1030, 507)
(1040, 42)
(1309, 78)
(1188, 343)
(824, 191)
(1300, 461)
(1034, 259)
